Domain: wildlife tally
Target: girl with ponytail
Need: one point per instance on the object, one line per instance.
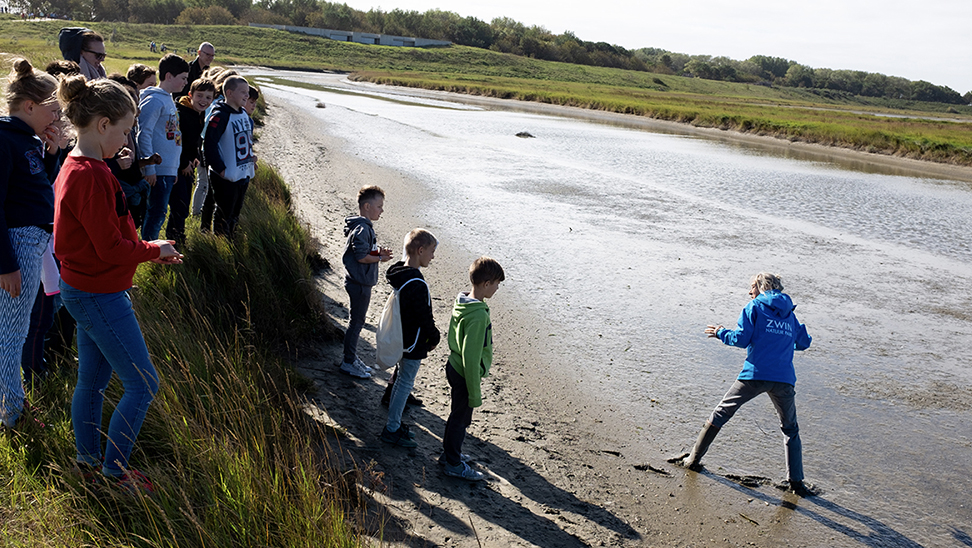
(25, 217)
(95, 239)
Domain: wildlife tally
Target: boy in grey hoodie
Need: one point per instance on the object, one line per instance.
(361, 258)
(158, 132)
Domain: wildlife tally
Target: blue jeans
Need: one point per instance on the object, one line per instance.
(29, 245)
(782, 395)
(404, 381)
(109, 339)
(158, 203)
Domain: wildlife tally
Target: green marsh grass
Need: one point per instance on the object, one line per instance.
(233, 456)
(788, 113)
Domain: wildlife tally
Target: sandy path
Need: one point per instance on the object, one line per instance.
(559, 471)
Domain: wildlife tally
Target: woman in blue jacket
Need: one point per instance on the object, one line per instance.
(769, 331)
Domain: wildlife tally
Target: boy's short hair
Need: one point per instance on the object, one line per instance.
(254, 93)
(127, 83)
(202, 84)
(62, 67)
(417, 239)
(369, 193)
(233, 83)
(485, 270)
(764, 281)
(172, 64)
(138, 73)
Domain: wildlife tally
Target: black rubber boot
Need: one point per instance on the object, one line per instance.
(708, 433)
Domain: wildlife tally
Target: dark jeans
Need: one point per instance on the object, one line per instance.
(41, 320)
(360, 296)
(228, 196)
(179, 200)
(460, 417)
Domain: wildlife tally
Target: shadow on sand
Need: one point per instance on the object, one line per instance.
(834, 516)
(514, 498)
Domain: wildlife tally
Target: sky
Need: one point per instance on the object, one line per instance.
(915, 40)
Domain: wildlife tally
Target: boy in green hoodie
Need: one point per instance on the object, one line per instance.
(471, 354)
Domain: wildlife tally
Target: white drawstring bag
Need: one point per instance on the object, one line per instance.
(388, 336)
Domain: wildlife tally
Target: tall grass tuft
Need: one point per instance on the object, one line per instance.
(234, 458)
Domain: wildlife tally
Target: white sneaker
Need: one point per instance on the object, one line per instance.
(463, 471)
(362, 365)
(355, 371)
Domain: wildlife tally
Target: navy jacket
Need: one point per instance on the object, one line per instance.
(25, 189)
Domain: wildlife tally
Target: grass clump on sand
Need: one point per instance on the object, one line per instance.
(234, 458)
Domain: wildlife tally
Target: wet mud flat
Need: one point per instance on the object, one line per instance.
(578, 457)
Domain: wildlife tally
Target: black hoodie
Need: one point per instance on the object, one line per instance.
(418, 326)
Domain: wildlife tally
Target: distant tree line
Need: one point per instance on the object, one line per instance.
(503, 35)
(778, 71)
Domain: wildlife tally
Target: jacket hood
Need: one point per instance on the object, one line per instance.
(350, 223)
(466, 305)
(185, 101)
(398, 274)
(154, 90)
(779, 304)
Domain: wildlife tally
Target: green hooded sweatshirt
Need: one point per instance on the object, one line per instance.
(471, 343)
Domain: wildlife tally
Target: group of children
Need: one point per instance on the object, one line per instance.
(767, 328)
(74, 195)
(470, 336)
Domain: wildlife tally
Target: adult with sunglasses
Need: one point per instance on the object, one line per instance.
(92, 54)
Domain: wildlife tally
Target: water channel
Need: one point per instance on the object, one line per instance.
(630, 241)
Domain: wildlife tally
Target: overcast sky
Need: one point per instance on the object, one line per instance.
(918, 40)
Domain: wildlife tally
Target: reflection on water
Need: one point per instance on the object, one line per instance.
(630, 242)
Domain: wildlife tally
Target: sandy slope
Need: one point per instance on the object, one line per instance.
(558, 470)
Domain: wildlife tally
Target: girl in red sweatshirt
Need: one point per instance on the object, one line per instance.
(95, 239)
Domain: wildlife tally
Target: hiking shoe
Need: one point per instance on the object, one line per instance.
(135, 481)
(355, 371)
(399, 437)
(463, 458)
(463, 471)
(362, 365)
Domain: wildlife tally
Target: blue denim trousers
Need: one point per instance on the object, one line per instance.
(29, 245)
(109, 340)
(158, 204)
(404, 381)
(783, 397)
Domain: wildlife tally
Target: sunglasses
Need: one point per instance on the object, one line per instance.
(98, 56)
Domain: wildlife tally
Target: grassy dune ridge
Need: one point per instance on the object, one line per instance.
(234, 458)
(892, 127)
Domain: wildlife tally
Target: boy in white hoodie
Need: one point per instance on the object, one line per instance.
(158, 132)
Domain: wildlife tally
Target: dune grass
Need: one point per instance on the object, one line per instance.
(233, 456)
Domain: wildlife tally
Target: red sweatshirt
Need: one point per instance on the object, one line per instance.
(94, 235)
